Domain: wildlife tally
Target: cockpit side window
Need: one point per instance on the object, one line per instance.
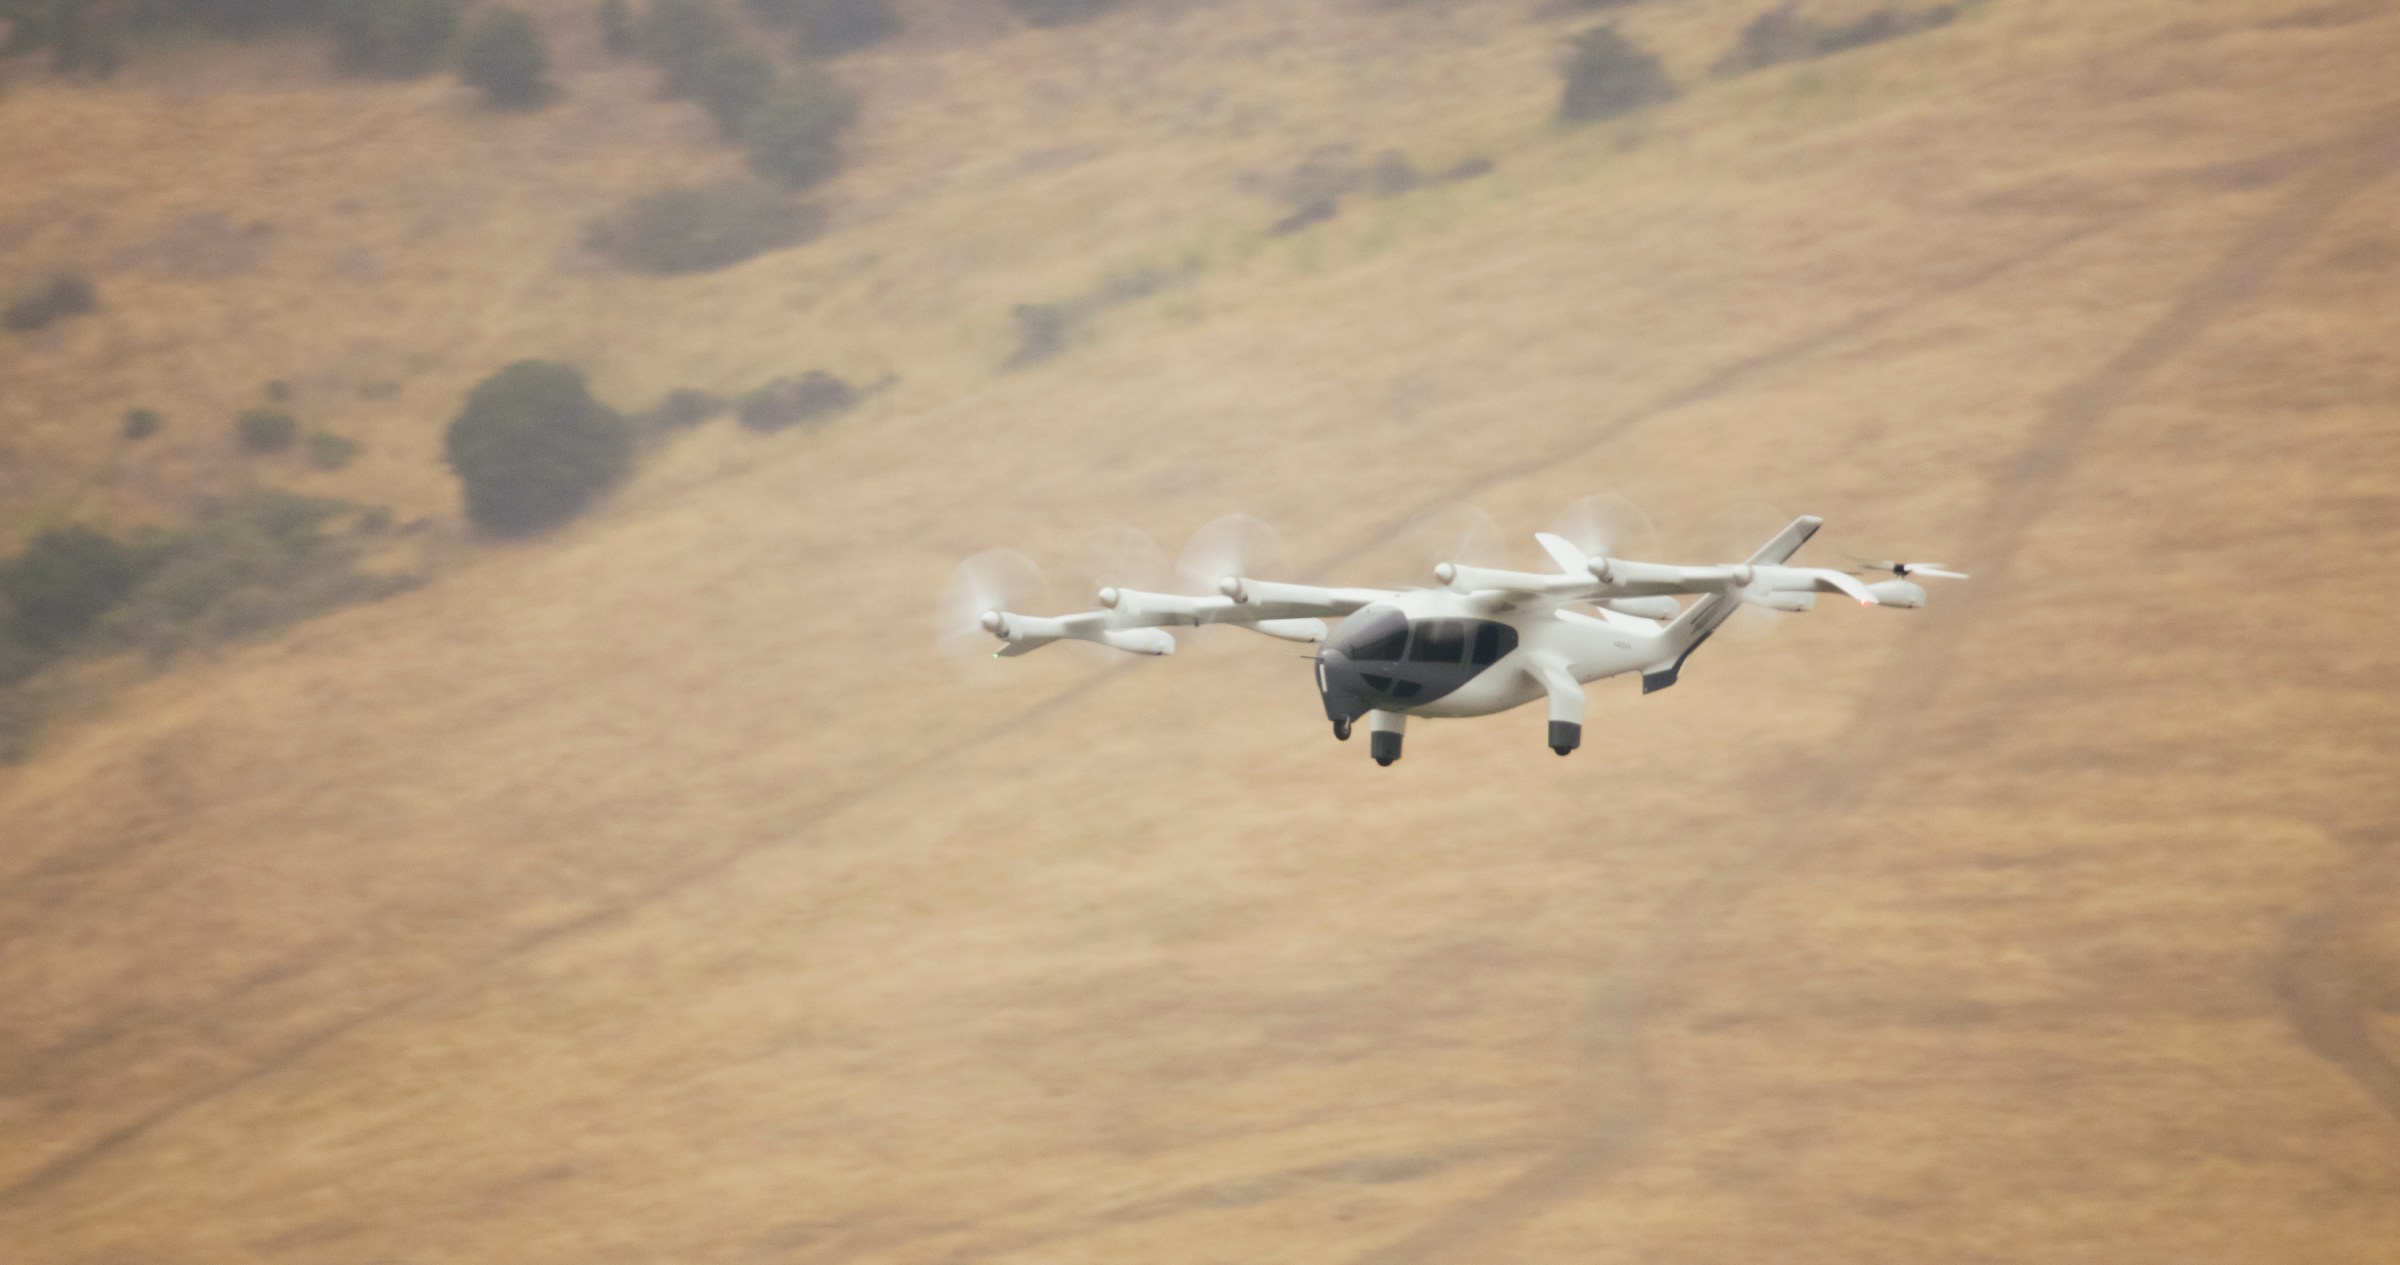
(1493, 641)
(1439, 641)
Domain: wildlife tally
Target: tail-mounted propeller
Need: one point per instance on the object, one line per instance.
(1905, 570)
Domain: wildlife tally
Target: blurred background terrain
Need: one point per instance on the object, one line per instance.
(635, 883)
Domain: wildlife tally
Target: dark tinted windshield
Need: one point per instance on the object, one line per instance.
(1439, 641)
(1376, 634)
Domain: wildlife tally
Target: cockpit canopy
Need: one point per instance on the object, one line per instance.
(1382, 635)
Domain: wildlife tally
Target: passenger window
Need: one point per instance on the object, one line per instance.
(1439, 641)
(1493, 642)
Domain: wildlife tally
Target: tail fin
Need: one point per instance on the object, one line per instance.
(1701, 618)
(1788, 541)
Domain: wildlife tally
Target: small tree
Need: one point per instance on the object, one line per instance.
(733, 85)
(328, 451)
(1060, 12)
(401, 38)
(830, 28)
(142, 423)
(532, 448)
(62, 296)
(1607, 75)
(814, 396)
(66, 579)
(616, 27)
(265, 430)
(677, 36)
(504, 57)
(795, 140)
(696, 228)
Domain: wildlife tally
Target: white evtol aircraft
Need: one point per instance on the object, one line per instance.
(1486, 641)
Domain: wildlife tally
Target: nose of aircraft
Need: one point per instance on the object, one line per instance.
(1345, 695)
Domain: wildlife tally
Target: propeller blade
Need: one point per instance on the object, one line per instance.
(1608, 526)
(1235, 545)
(994, 582)
(1904, 569)
(1453, 532)
(1122, 558)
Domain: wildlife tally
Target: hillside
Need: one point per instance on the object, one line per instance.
(651, 890)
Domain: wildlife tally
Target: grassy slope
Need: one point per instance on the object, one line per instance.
(650, 894)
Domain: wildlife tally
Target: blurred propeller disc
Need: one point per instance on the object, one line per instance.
(994, 580)
(1609, 526)
(1452, 531)
(1121, 558)
(1235, 545)
(1114, 558)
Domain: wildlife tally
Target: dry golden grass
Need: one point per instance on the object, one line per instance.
(652, 893)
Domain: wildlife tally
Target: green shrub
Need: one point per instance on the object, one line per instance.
(142, 423)
(504, 57)
(733, 85)
(1046, 329)
(616, 27)
(830, 28)
(683, 408)
(1392, 174)
(328, 451)
(401, 38)
(814, 396)
(1782, 34)
(256, 563)
(1043, 330)
(62, 296)
(1467, 168)
(265, 430)
(677, 36)
(243, 17)
(64, 581)
(696, 228)
(795, 140)
(1060, 12)
(533, 448)
(1607, 75)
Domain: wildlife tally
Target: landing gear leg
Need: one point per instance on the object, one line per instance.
(1384, 730)
(1341, 729)
(1566, 705)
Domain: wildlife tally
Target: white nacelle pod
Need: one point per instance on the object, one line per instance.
(1292, 629)
(1899, 593)
(1151, 641)
(1793, 603)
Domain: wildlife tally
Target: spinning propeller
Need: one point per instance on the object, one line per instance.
(976, 602)
(1905, 569)
(1234, 546)
(1607, 526)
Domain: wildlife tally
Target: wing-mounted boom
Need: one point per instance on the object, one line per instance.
(1136, 621)
(1646, 588)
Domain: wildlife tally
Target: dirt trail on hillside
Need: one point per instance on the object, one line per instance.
(2320, 997)
(2324, 1015)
